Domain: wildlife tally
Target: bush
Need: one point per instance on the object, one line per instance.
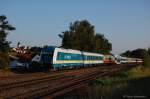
(146, 59)
(4, 61)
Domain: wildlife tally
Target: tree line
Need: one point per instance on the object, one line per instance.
(139, 53)
(81, 36)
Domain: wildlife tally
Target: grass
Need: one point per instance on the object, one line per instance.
(125, 76)
(139, 72)
(131, 84)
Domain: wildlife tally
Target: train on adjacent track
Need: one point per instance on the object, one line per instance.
(60, 58)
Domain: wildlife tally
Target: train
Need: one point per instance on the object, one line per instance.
(60, 58)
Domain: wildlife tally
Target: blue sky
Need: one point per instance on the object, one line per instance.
(126, 23)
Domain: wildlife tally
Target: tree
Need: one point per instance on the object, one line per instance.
(139, 53)
(81, 36)
(146, 58)
(149, 50)
(5, 27)
(102, 45)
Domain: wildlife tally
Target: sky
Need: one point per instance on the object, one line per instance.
(125, 23)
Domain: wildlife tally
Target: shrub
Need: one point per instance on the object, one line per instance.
(4, 61)
(146, 59)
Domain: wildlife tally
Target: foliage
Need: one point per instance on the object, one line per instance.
(134, 73)
(139, 53)
(146, 59)
(4, 44)
(102, 45)
(104, 81)
(149, 51)
(138, 72)
(4, 60)
(136, 80)
(81, 36)
(4, 28)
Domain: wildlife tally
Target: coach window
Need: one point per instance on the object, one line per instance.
(85, 57)
(96, 58)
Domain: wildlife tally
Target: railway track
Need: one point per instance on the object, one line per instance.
(34, 81)
(10, 89)
(9, 80)
(55, 86)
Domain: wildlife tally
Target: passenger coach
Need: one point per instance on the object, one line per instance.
(59, 58)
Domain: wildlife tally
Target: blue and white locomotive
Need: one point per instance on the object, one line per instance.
(60, 58)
